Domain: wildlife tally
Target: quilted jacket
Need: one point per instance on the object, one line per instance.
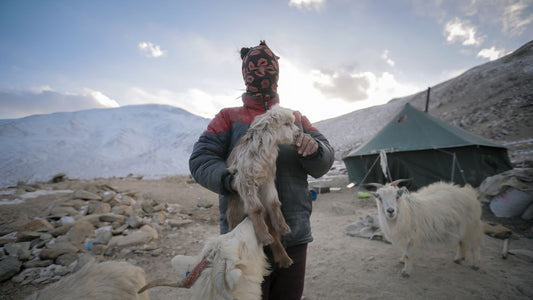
(208, 165)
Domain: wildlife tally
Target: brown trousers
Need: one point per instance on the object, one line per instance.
(286, 283)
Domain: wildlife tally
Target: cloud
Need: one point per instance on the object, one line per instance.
(346, 86)
(461, 31)
(491, 53)
(151, 50)
(307, 4)
(386, 58)
(18, 104)
(516, 17)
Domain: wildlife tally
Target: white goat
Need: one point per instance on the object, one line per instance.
(230, 266)
(253, 163)
(440, 213)
(97, 281)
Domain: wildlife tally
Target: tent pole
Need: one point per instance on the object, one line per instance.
(453, 167)
(427, 99)
(367, 173)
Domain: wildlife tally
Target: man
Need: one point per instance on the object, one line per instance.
(311, 155)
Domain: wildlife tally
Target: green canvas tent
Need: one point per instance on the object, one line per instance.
(426, 149)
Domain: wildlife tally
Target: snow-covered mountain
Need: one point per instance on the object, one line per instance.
(493, 100)
(149, 140)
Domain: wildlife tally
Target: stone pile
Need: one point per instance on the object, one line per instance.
(98, 220)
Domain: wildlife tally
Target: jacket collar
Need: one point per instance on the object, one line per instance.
(255, 102)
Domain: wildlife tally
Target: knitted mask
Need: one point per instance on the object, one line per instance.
(260, 70)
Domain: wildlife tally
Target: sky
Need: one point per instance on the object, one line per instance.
(336, 56)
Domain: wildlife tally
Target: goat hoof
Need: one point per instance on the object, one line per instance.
(405, 274)
(284, 230)
(285, 262)
(458, 261)
(475, 268)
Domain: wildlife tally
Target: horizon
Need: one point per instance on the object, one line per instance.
(336, 56)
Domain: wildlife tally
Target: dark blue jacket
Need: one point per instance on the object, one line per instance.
(208, 165)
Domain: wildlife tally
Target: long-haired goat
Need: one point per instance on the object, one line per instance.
(230, 266)
(253, 163)
(440, 213)
(97, 281)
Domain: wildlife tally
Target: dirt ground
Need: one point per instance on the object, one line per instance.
(338, 267)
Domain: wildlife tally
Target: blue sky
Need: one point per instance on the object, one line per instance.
(337, 56)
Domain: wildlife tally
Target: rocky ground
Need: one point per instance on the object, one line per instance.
(147, 222)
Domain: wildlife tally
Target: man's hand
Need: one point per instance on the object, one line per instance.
(305, 144)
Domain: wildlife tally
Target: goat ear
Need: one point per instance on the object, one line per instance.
(232, 278)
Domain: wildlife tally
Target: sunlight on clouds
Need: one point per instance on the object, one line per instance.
(308, 4)
(491, 53)
(102, 99)
(298, 90)
(151, 50)
(513, 22)
(461, 31)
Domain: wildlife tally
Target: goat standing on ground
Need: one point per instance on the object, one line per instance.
(253, 163)
(440, 213)
(230, 266)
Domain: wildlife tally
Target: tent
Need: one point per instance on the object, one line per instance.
(425, 149)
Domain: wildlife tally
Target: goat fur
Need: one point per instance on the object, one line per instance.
(253, 163)
(235, 270)
(109, 280)
(438, 214)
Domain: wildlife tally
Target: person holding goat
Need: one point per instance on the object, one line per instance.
(311, 154)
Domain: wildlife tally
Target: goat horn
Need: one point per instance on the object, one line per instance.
(376, 185)
(398, 181)
(219, 277)
(159, 282)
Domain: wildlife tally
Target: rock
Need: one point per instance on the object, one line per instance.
(178, 223)
(133, 222)
(103, 208)
(28, 236)
(98, 249)
(119, 230)
(122, 210)
(37, 263)
(108, 196)
(67, 220)
(136, 237)
(203, 203)
(62, 230)
(57, 249)
(60, 211)
(59, 177)
(110, 217)
(160, 218)
(8, 238)
(37, 225)
(66, 259)
(81, 231)
(147, 207)
(9, 266)
(103, 235)
(86, 195)
(157, 252)
(19, 250)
